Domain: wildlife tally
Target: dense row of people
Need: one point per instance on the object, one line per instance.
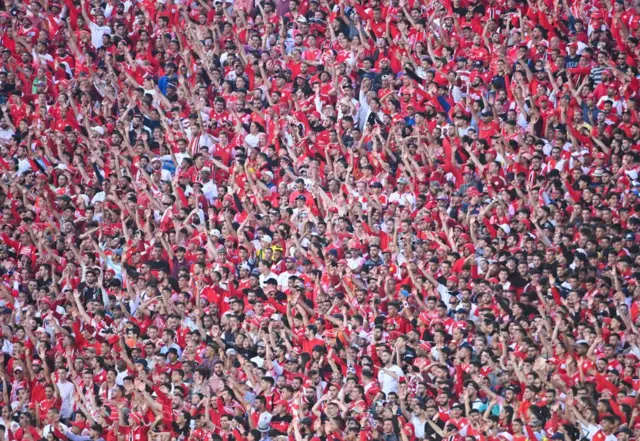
(319, 220)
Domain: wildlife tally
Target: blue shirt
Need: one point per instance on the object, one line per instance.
(164, 81)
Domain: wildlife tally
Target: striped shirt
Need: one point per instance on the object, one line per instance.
(596, 74)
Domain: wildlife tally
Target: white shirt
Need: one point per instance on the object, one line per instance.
(49, 428)
(355, 262)
(259, 361)
(210, 191)
(66, 395)
(418, 426)
(445, 296)
(121, 376)
(252, 139)
(23, 166)
(165, 175)
(283, 278)
(7, 346)
(97, 32)
(407, 198)
(5, 135)
(99, 197)
(180, 157)
(388, 383)
(263, 278)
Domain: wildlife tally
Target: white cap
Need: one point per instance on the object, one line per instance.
(264, 422)
(216, 233)
(506, 228)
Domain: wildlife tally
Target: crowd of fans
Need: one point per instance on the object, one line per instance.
(319, 220)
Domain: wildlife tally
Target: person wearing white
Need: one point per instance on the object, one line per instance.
(404, 195)
(283, 278)
(419, 420)
(6, 345)
(49, 427)
(98, 28)
(67, 390)
(389, 375)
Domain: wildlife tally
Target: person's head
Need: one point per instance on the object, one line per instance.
(25, 419)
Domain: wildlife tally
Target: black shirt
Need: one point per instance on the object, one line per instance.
(158, 265)
(89, 293)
